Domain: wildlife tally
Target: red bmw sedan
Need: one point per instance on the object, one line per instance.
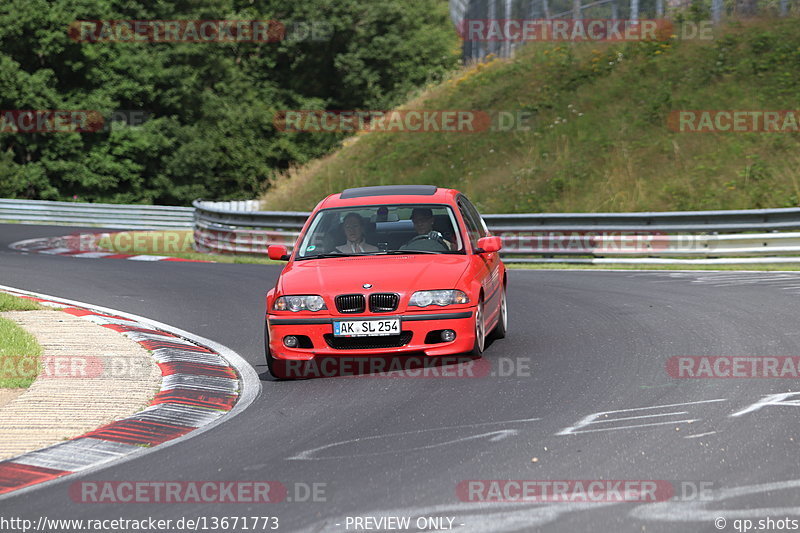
(388, 270)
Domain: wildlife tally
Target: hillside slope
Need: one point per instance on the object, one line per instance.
(599, 138)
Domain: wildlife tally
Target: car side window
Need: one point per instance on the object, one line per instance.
(472, 228)
(482, 229)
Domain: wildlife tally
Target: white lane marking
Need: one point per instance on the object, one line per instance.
(633, 426)
(102, 320)
(772, 399)
(251, 385)
(146, 258)
(55, 251)
(307, 455)
(93, 255)
(696, 511)
(140, 336)
(747, 277)
(736, 279)
(742, 283)
(699, 435)
(641, 416)
(493, 436)
(76, 455)
(594, 418)
(181, 415)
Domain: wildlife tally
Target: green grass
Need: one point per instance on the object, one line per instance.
(14, 303)
(599, 138)
(19, 356)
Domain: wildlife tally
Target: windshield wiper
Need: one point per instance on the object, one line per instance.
(404, 252)
(324, 256)
(363, 254)
(336, 254)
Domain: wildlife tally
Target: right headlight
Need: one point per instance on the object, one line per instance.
(299, 303)
(441, 298)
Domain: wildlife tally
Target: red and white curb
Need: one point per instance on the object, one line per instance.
(76, 246)
(204, 383)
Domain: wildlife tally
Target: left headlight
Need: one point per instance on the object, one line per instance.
(299, 303)
(444, 297)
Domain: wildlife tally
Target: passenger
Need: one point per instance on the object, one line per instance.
(353, 225)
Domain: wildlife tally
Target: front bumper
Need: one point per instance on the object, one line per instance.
(418, 325)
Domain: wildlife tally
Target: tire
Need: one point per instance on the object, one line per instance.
(480, 331)
(273, 365)
(500, 330)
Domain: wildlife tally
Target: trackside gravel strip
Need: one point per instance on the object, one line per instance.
(203, 384)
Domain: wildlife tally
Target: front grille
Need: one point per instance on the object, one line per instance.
(368, 343)
(350, 303)
(383, 302)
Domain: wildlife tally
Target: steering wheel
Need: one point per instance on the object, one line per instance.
(434, 238)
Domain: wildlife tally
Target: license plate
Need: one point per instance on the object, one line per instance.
(366, 328)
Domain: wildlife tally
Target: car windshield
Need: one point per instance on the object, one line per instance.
(382, 229)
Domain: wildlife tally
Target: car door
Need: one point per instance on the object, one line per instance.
(489, 264)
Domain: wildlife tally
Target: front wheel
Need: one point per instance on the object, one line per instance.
(480, 331)
(274, 366)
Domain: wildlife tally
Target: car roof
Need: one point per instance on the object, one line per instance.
(406, 194)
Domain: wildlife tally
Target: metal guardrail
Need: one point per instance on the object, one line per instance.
(112, 216)
(219, 230)
(669, 221)
(743, 236)
(232, 205)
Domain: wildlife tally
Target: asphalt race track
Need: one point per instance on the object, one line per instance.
(579, 343)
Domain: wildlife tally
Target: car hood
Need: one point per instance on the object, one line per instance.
(395, 273)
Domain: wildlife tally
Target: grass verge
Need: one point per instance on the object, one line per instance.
(19, 351)
(597, 136)
(19, 356)
(14, 303)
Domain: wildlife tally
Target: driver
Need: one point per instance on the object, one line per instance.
(353, 225)
(423, 220)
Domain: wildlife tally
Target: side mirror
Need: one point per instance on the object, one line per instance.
(488, 245)
(278, 252)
